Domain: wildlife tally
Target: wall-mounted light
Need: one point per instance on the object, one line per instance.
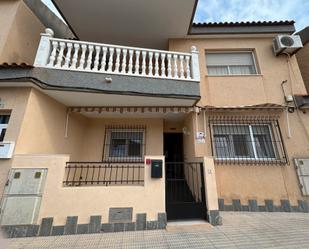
(185, 131)
(108, 80)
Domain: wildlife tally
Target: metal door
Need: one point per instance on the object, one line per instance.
(22, 196)
(185, 191)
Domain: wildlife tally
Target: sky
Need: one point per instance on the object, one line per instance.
(247, 10)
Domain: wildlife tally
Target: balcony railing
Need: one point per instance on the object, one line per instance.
(111, 59)
(79, 174)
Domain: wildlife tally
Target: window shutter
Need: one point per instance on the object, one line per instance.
(303, 174)
(229, 59)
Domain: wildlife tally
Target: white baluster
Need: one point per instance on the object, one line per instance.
(60, 55)
(89, 60)
(82, 57)
(68, 56)
(188, 71)
(75, 56)
(53, 54)
(182, 71)
(110, 59)
(130, 67)
(169, 65)
(150, 64)
(163, 73)
(195, 68)
(124, 61)
(97, 58)
(156, 64)
(103, 61)
(117, 64)
(144, 63)
(137, 53)
(175, 56)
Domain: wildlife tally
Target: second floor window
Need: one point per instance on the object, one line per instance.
(4, 120)
(230, 63)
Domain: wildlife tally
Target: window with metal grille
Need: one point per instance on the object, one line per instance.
(4, 120)
(245, 141)
(231, 63)
(124, 143)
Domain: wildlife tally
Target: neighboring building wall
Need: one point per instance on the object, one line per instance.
(14, 100)
(246, 182)
(20, 32)
(303, 62)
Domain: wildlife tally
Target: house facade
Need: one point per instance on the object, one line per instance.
(122, 131)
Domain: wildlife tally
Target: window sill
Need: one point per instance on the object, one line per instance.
(236, 75)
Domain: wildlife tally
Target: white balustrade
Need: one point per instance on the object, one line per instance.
(104, 58)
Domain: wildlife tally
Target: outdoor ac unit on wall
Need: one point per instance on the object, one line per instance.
(6, 150)
(287, 44)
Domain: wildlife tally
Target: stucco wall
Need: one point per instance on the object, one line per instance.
(59, 202)
(43, 128)
(15, 102)
(302, 59)
(259, 182)
(42, 144)
(20, 32)
(251, 181)
(244, 90)
(93, 142)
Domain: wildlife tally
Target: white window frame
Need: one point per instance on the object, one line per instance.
(108, 138)
(256, 158)
(228, 66)
(4, 126)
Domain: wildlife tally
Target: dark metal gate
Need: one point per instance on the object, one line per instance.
(185, 191)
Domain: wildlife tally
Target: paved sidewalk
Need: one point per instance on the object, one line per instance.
(240, 230)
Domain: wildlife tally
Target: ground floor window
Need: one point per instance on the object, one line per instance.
(247, 140)
(4, 120)
(124, 143)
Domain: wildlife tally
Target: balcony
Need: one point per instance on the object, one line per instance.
(81, 56)
(131, 70)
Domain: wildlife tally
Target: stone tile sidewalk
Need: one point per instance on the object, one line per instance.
(240, 230)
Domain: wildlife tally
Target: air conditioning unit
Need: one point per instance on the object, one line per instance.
(288, 44)
(6, 150)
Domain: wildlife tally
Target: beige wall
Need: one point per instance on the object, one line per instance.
(244, 181)
(95, 133)
(259, 182)
(60, 202)
(43, 128)
(20, 32)
(244, 90)
(41, 144)
(303, 62)
(15, 101)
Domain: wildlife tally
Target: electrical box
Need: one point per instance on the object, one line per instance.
(302, 167)
(156, 168)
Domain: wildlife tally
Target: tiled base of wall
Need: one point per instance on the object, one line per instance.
(252, 206)
(118, 222)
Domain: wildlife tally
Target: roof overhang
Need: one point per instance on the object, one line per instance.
(139, 23)
(243, 28)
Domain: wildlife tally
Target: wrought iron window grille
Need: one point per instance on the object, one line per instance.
(124, 143)
(247, 140)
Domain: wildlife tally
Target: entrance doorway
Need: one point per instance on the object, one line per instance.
(185, 190)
